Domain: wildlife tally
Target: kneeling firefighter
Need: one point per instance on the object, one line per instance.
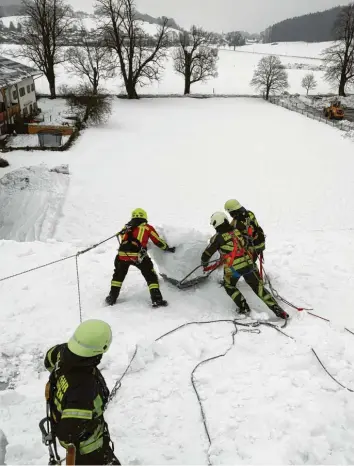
(246, 223)
(134, 239)
(78, 394)
(237, 263)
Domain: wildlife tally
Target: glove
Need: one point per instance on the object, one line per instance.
(173, 250)
(205, 264)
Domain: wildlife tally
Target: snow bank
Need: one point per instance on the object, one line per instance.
(189, 244)
(31, 200)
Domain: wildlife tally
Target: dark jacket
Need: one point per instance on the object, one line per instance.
(232, 248)
(78, 396)
(246, 223)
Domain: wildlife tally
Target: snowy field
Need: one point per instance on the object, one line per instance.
(235, 71)
(268, 401)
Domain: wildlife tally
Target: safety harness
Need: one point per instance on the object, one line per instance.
(228, 259)
(131, 249)
(46, 427)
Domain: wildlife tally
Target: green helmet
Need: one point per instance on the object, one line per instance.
(232, 205)
(139, 213)
(91, 338)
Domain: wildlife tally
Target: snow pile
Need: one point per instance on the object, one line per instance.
(190, 245)
(23, 140)
(31, 202)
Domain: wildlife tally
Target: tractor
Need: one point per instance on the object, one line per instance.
(334, 111)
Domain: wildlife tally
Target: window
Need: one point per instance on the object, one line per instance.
(28, 89)
(22, 91)
(32, 87)
(14, 95)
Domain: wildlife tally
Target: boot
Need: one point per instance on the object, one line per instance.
(112, 297)
(244, 309)
(157, 299)
(278, 311)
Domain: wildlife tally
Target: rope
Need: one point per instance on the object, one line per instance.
(197, 393)
(57, 261)
(234, 333)
(276, 295)
(327, 320)
(319, 360)
(37, 268)
(118, 384)
(78, 285)
(229, 321)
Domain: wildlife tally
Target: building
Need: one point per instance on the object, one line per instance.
(17, 92)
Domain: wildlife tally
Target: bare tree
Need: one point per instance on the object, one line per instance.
(140, 61)
(90, 61)
(194, 58)
(44, 30)
(90, 108)
(309, 82)
(270, 76)
(340, 57)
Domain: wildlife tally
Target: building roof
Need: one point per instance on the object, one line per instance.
(12, 72)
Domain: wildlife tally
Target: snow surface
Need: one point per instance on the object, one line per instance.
(268, 401)
(235, 71)
(91, 23)
(31, 200)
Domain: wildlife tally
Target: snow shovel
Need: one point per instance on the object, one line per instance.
(185, 283)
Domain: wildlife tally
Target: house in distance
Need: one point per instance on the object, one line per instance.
(17, 92)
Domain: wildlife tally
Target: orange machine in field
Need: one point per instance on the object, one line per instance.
(334, 111)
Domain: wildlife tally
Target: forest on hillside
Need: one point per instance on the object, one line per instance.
(314, 27)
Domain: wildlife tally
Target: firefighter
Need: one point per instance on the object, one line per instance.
(78, 393)
(237, 263)
(246, 223)
(132, 251)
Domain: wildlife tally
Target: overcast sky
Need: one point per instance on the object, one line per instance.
(227, 15)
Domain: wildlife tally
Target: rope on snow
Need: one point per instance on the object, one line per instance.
(76, 256)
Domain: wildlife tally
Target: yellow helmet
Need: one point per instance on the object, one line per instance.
(139, 213)
(231, 205)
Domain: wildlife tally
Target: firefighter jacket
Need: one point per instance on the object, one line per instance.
(78, 395)
(134, 239)
(232, 248)
(246, 223)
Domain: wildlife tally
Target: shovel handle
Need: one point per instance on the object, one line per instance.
(70, 454)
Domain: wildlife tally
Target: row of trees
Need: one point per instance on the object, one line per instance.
(12, 27)
(124, 47)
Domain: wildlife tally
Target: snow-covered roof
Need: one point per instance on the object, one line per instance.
(12, 72)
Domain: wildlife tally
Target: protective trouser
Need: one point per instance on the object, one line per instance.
(104, 455)
(146, 267)
(253, 279)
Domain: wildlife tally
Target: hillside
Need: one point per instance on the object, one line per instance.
(314, 27)
(10, 7)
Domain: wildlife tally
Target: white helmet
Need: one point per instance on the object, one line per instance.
(218, 219)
